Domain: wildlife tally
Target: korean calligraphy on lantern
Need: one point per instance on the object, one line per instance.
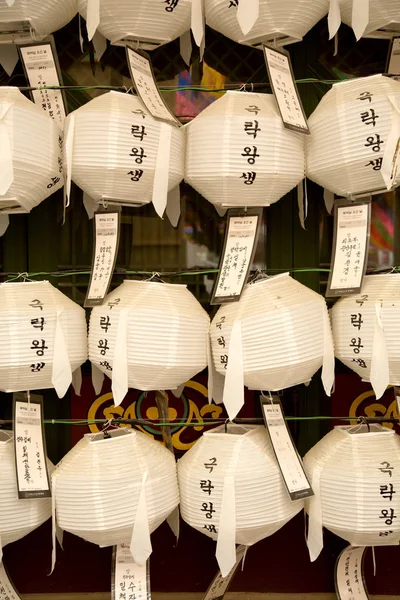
(250, 152)
(41, 69)
(220, 585)
(130, 581)
(285, 90)
(107, 226)
(38, 347)
(387, 491)
(350, 250)
(7, 590)
(30, 456)
(356, 322)
(137, 152)
(207, 487)
(107, 328)
(145, 84)
(349, 575)
(369, 116)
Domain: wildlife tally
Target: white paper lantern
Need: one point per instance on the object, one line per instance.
(30, 151)
(17, 517)
(366, 330)
(278, 335)
(149, 23)
(354, 134)
(240, 154)
(263, 21)
(116, 151)
(148, 336)
(22, 20)
(43, 335)
(371, 18)
(355, 476)
(117, 490)
(232, 489)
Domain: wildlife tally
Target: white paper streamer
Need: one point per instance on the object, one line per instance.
(8, 57)
(99, 44)
(300, 202)
(53, 524)
(92, 17)
(215, 380)
(141, 543)
(6, 163)
(174, 206)
(77, 382)
(329, 199)
(247, 14)
(80, 31)
(328, 365)
(160, 187)
(226, 542)
(89, 204)
(69, 149)
(380, 360)
(120, 360)
(233, 397)
(178, 391)
(315, 538)
(97, 379)
(185, 46)
(334, 18)
(61, 375)
(10, 2)
(198, 21)
(4, 223)
(360, 17)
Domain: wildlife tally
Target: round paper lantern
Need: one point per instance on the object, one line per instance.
(375, 18)
(355, 476)
(150, 23)
(148, 336)
(116, 489)
(366, 330)
(117, 152)
(277, 336)
(31, 164)
(35, 18)
(232, 489)
(17, 517)
(263, 21)
(43, 335)
(354, 134)
(240, 154)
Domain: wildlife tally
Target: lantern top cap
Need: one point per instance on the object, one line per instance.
(232, 429)
(6, 437)
(363, 429)
(112, 435)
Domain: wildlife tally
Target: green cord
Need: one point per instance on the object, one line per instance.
(185, 423)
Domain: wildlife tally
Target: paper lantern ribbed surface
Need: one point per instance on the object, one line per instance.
(355, 476)
(282, 329)
(117, 490)
(366, 330)
(114, 149)
(149, 22)
(43, 16)
(354, 134)
(43, 335)
(240, 154)
(148, 336)
(283, 21)
(17, 517)
(378, 17)
(230, 483)
(31, 164)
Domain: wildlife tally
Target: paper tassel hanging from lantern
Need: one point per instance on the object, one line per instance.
(117, 152)
(17, 517)
(352, 149)
(115, 488)
(278, 335)
(30, 153)
(371, 18)
(240, 154)
(366, 330)
(44, 337)
(148, 336)
(355, 475)
(254, 22)
(232, 489)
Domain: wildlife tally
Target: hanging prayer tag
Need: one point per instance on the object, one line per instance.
(219, 585)
(146, 87)
(350, 246)
(349, 575)
(30, 447)
(107, 225)
(393, 61)
(43, 70)
(288, 458)
(284, 87)
(7, 589)
(241, 236)
(128, 580)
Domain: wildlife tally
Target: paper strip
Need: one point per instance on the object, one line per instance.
(220, 584)
(161, 177)
(53, 523)
(300, 202)
(315, 540)
(247, 14)
(185, 47)
(328, 365)
(215, 380)
(10, 2)
(174, 206)
(233, 397)
(177, 392)
(198, 22)
(329, 199)
(380, 361)
(68, 153)
(349, 575)
(334, 18)
(97, 379)
(77, 381)
(120, 360)
(89, 204)
(6, 154)
(8, 57)
(61, 375)
(360, 17)
(141, 543)
(226, 541)
(128, 580)
(92, 17)
(99, 44)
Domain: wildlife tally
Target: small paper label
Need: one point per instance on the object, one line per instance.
(350, 247)
(284, 87)
(288, 458)
(30, 448)
(128, 580)
(393, 63)
(42, 70)
(241, 236)
(106, 234)
(349, 575)
(220, 585)
(7, 589)
(146, 86)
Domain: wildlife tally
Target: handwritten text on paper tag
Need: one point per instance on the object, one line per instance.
(349, 577)
(220, 585)
(129, 581)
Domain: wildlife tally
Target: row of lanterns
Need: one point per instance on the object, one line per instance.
(235, 153)
(118, 488)
(152, 23)
(156, 336)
